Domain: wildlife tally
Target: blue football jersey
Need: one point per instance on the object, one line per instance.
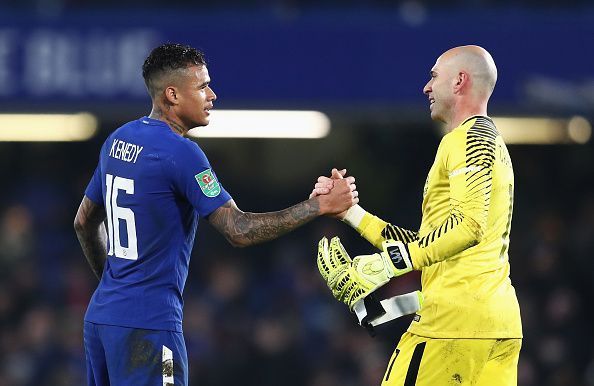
(155, 185)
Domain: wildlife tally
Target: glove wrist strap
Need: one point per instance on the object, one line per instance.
(399, 256)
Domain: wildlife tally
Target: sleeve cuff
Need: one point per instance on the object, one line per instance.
(368, 226)
(414, 252)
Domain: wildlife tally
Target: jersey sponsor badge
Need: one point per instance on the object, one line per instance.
(208, 183)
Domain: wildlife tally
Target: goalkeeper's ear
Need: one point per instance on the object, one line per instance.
(398, 255)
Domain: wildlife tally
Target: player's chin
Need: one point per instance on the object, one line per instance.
(435, 115)
(203, 121)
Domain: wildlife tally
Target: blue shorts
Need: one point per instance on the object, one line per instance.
(123, 356)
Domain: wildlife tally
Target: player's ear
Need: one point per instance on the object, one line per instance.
(460, 81)
(171, 95)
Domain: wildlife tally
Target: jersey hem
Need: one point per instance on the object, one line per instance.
(175, 327)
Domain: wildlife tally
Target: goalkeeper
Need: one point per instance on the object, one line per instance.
(468, 329)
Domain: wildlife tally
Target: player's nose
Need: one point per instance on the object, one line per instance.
(427, 88)
(212, 96)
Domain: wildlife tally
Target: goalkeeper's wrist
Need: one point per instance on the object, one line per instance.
(397, 256)
(354, 216)
(368, 225)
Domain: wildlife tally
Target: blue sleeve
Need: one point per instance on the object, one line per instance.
(94, 190)
(194, 179)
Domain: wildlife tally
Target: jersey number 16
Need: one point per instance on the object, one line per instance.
(116, 213)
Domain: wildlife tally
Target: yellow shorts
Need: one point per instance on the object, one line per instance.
(441, 362)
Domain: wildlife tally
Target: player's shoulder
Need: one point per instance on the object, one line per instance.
(454, 138)
(477, 128)
(184, 147)
(181, 150)
(481, 127)
(125, 131)
(128, 127)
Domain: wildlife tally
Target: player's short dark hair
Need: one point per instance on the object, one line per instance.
(169, 57)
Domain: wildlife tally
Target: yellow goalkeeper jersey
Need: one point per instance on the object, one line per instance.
(462, 244)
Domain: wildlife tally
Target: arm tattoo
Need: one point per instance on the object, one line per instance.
(91, 234)
(244, 228)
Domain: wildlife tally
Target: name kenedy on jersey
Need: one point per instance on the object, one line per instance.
(125, 151)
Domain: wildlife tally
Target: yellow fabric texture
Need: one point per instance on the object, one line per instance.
(375, 230)
(476, 362)
(462, 244)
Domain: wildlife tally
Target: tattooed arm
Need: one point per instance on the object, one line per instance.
(91, 234)
(242, 229)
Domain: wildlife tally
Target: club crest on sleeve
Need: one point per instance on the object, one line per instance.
(208, 183)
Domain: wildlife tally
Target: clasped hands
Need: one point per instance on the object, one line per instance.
(337, 194)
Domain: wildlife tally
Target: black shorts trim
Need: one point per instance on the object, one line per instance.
(413, 366)
(392, 364)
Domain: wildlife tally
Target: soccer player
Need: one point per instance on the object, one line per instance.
(468, 329)
(152, 185)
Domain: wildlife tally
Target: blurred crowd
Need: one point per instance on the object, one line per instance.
(262, 316)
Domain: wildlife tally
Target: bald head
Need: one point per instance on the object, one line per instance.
(476, 62)
(462, 81)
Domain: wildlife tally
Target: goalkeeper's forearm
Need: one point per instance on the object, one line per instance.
(374, 229)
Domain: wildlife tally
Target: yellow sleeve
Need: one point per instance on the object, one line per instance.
(468, 157)
(375, 230)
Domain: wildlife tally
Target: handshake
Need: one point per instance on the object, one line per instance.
(335, 194)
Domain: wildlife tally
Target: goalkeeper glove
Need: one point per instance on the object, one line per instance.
(375, 270)
(332, 258)
(351, 281)
(333, 261)
(334, 265)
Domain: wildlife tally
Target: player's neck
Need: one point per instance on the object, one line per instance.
(172, 121)
(462, 113)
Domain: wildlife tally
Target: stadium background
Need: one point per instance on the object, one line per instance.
(262, 316)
